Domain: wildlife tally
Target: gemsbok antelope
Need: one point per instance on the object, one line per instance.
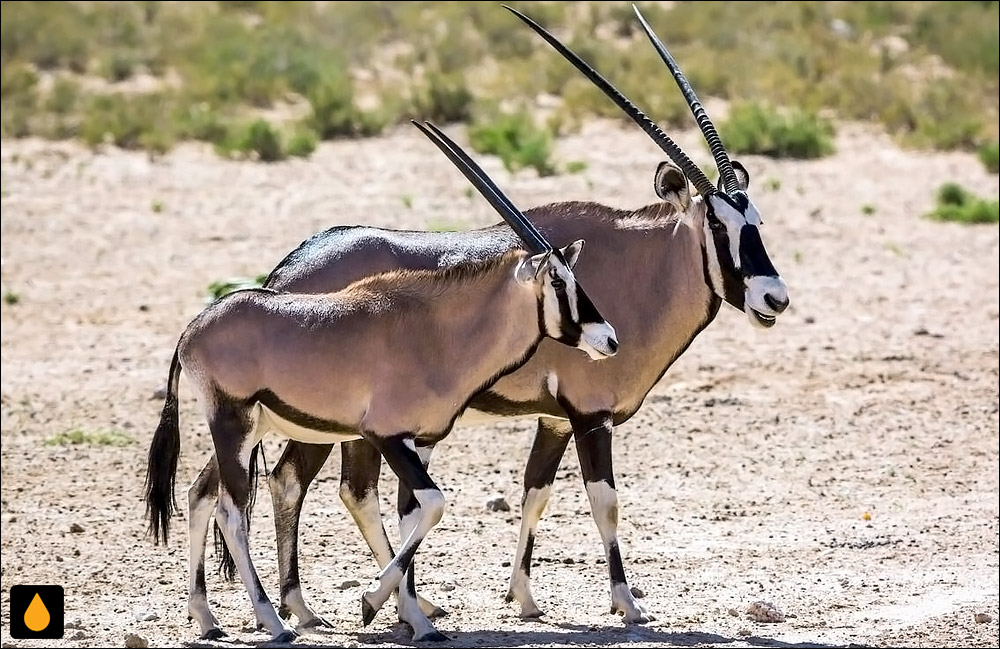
(392, 359)
(660, 273)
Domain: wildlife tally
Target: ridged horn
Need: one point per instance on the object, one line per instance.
(674, 152)
(725, 167)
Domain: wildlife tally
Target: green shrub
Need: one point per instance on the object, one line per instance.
(759, 129)
(129, 121)
(223, 287)
(989, 154)
(442, 98)
(258, 138)
(516, 140)
(334, 113)
(77, 437)
(956, 204)
(302, 144)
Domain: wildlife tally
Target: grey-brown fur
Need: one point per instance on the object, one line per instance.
(392, 359)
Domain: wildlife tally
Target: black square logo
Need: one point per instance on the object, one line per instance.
(36, 612)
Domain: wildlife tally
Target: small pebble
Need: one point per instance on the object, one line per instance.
(447, 585)
(76, 528)
(761, 611)
(983, 618)
(497, 504)
(135, 641)
(350, 583)
(734, 612)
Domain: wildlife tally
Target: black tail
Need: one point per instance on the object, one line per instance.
(227, 566)
(161, 469)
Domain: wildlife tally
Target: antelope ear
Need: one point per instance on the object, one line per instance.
(672, 186)
(529, 269)
(571, 253)
(742, 176)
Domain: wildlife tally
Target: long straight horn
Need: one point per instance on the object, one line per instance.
(532, 238)
(704, 123)
(690, 169)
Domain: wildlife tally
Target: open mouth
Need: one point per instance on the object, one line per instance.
(761, 320)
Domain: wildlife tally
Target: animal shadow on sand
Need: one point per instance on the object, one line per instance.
(562, 634)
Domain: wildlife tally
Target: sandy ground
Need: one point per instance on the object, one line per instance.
(842, 465)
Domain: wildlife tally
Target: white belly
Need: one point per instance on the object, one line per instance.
(268, 420)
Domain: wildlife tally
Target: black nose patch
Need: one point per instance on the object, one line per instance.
(754, 261)
(588, 312)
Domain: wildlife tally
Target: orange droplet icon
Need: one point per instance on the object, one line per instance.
(37, 616)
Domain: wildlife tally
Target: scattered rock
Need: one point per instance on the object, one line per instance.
(350, 583)
(76, 528)
(744, 632)
(734, 612)
(983, 618)
(146, 616)
(637, 592)
(78, 635)
(135, 641)
(568, 560)
(497, 504)
(73, 623)
(761, 611)
(447, 585)
(159, 393)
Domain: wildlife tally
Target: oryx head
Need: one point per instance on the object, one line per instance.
(565, 312)
(738, 267)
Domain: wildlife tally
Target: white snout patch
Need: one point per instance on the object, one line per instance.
(599, 340)
(760, 313)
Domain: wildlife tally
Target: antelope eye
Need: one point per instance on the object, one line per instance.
(558, 284)
(716, 225)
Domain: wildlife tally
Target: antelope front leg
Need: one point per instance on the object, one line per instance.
(546, 453)
(593, 446)
(400, 453)
(361, 465)
(289, 481)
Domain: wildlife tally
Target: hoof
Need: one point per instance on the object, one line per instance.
(213, 634)
(437, 611)
(532, 615)
(315, 623)
(367, 612)
(434, 636)
(285, 637)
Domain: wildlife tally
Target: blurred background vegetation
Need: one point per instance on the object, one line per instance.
(270, 79)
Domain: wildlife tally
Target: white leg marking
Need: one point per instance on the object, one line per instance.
(431, 509)
(233, 527)
(520, 580)
(604, 505)
(199, 519)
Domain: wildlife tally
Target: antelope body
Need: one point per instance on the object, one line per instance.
(660, 273)
(392, 359)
